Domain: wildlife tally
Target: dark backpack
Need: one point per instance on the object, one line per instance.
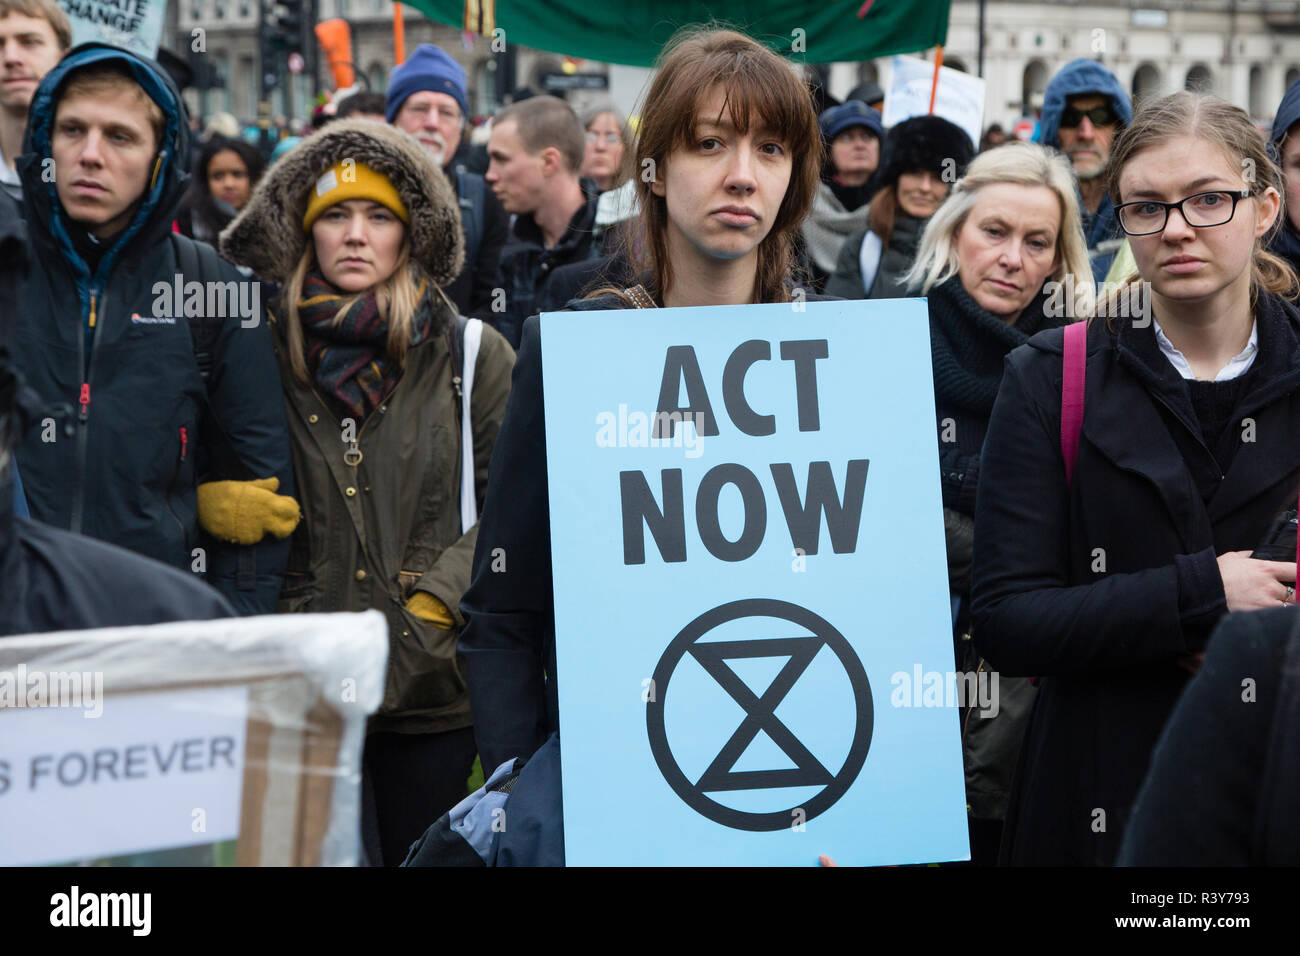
(471, 189)
(199, 262)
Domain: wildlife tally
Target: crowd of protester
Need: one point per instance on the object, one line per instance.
(353, 429)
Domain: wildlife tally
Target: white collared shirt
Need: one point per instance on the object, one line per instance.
(1239, 365)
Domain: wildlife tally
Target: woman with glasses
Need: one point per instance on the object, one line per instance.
(1106, 550)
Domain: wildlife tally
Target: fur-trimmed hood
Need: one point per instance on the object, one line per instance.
(267, 235)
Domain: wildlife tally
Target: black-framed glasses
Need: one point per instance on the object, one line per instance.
(1098, 116)
(1145, 217)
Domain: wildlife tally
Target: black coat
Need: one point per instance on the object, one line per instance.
(1225, 777)
(147, 423)
(527, 264)
(1100, 586)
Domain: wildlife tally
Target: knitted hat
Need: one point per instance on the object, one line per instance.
(352, 180)
(924, 143)
(428, 68)
(853, 113)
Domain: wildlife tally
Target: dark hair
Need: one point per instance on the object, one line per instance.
(363, 102)
(758, 83)
(198, 203)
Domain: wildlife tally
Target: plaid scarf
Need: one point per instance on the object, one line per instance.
(349, 357)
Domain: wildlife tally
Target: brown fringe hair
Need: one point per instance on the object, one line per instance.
(1230, 129)
(758, 83)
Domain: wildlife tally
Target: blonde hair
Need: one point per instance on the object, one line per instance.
(397, 297)
(1231, 129)
(98, 79)
(1024, 164)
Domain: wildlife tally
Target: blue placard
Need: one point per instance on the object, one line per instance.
(747, 676)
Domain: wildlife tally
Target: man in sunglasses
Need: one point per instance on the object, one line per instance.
(1084, 109)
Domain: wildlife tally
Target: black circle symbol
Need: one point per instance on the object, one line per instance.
(760, 714)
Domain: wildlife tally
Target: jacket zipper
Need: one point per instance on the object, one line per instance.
(171, 487)
(83, 415)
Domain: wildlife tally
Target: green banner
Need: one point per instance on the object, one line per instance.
(812, 31)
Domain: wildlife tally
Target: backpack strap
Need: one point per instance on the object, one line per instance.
(1074, 366)
(470, 190)
(470, 332)
(199, 262)
(639, 296)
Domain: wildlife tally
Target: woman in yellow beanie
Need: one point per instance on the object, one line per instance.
(363, 231)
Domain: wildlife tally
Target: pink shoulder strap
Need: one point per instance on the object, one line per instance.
(1074, 367)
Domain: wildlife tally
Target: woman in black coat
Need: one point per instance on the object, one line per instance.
(695, 257)
(224, 176)
(1107, 585)
(991, 266)
(923, 156)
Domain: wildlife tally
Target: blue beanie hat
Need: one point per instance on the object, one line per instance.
(428, 68)
(853, 113)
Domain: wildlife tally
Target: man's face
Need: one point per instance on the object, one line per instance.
(435, 120)
(30, 50)
(103, 149)
(1087, 144)
(517, 176)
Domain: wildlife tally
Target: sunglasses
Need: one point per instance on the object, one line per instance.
(1098, 116)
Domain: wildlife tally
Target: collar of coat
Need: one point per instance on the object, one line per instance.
(580, 226)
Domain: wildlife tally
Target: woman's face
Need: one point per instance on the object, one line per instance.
(1007, 247)
(1183, 262)
(604, 152)
(357, 244)
(228, 178)
(1291, 172)
(855, 153)
(921, 193)
(723, 190)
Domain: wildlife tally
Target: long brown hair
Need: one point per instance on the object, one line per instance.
(757, 83)
(1231, 129)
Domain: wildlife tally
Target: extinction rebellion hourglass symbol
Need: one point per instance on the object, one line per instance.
(760, 713)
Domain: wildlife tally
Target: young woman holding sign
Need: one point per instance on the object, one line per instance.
(1106, 551)
(733, 142)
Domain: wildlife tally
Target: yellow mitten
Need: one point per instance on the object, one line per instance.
(245, 511)
(428, 608)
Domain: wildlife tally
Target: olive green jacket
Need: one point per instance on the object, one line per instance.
(381, 517)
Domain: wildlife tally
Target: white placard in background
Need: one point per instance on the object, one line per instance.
(959, 99)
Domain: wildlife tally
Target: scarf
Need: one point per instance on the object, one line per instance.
(968, 344)
(349, 359)
(828, 225)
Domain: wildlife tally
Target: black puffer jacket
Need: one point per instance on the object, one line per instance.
(100, 342)
(1102, 585)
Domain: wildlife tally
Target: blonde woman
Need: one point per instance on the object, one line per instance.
(991, 264)
(363, 231)
(1107, 585)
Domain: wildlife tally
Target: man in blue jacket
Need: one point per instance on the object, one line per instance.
(161, 350)
(1084, 109)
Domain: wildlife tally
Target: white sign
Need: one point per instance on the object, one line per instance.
(135, 25)
(959, 98)
(155, 771)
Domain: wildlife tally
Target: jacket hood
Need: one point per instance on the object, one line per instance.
(1075, 79)
(1288, 112)
(171, 171)
(267, 235)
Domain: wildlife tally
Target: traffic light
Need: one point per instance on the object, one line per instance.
(287, 19)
